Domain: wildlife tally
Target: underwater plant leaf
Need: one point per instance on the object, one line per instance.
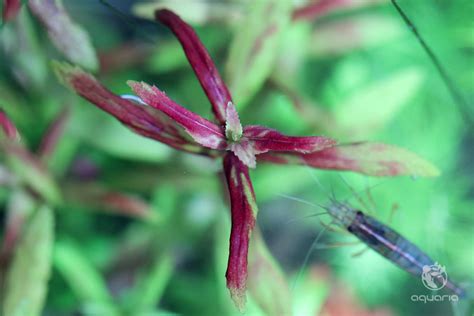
(243, 213)
(143, 120)
(316, 9)
(233, 128)
(201, 130)
(373, 159)
(85, 281)
(10, 9)
(27, 279)
(195, 12)
(53, 134)
(30, 171)
(254, 49)
(68, 37)
(200, 61)
(266, 139)
(9, 129)
(267, 283)
(364, 106)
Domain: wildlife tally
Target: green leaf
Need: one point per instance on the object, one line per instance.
(68, 37)
(84, 280)
(151, 285)
(371, 108)
(28, 276)
(31, 172)
(255, 47)
(267, 283)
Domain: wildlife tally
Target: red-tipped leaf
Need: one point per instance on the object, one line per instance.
(244, 211)
(373, 159)
(267, 139)
(10, 9)
(202, 64)
(141, 119)
(68, 37)
(53, 134)
(7, 126)
(201, 130)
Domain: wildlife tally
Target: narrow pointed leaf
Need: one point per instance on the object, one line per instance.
(201, 130)
(255, 47)
(244, 211)
(143, 120)
(10, 9)
(68, 37)
(267, 283)
(267, 139)
(83, 278)
(316, 9)
(53, 134)
(20, 206)
(7, 126)
(29, 273)
(373, 159)
(200, 61)
(233, 128)
(30, 171)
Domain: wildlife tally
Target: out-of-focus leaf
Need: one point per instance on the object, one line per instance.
(357, 32)
(202, 64)
(244, 211)
(10, 9)
(311, 292)
(147, 293)
(267, 283)
(85, 281)
(20, 206)
(97, 197)
(373, 159)
(29, 273)
(319, 8)
(195, 12)
(23, 53)
(30, 171)
(373, 107)
(204, 132)
(7, 126)
(67, 36)
(255, 47)
(53, 134)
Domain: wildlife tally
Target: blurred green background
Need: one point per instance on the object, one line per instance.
(354, 74)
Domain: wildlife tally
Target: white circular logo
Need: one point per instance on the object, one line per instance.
(434, 277)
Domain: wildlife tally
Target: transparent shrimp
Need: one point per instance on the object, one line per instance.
(384, 240)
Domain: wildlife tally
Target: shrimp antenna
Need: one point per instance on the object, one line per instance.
(131, 20)
(308, 254)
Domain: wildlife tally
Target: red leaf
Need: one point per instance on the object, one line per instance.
(201, 130)
(10, 9)
(202, 64)
(373, 159)
(52, 135)
(141, 119)
(7, 126)
(68, 37)
(318, 8)
(266, 139)
(244, 210)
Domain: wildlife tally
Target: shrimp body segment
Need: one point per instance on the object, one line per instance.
(384, 240)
